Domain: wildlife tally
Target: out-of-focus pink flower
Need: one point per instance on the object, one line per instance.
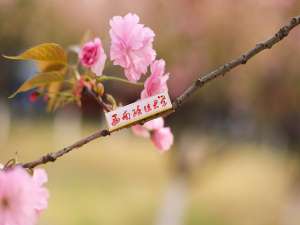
(33, 96)
(157, 82)
(92, 56)
(162, 138)
(155, 124)
(131, 45)
(141, 131)
(40, 178)
(20, 196)
(144, 131)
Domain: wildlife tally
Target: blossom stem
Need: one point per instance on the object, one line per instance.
(99, 100)
(105, 77)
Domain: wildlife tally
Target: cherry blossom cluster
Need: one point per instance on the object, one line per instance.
(132, 49)
(22, 193)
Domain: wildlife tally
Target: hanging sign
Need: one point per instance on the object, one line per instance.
(139, 110)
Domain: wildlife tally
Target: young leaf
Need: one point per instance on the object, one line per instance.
(62, 99)
(44, 66)
(49, 52)
(53, 88)
(41, 79)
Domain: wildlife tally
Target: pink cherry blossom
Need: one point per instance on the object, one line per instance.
(40, 178)
(131, 45)
(155, 124)
(162, 138)
(20, 196)
(140, 130)
(144, 131)
(157, 82)
(92, 56)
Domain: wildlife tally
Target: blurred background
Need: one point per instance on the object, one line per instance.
(235, 160)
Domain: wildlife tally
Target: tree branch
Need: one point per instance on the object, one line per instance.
(200, 82)
(243, 59)
(51, 157)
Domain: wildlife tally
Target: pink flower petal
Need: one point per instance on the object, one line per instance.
(157, 82)
(162, 138)
(155, 124)
(140, 131)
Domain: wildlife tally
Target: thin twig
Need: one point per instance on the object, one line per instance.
(100, 101)
(222, 70)
(51, 157)
(119, 79)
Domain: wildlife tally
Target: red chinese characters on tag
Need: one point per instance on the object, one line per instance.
(126, 115)
(139, 110)
(115, 119)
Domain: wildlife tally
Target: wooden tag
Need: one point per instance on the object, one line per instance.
(137, 111)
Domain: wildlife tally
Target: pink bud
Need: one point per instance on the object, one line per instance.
(92, 56)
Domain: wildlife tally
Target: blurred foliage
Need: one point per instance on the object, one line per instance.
(194, 37)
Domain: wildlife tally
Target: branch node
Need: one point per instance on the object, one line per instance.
(199, 82)
(260, 45)
(294, 21)
(283, 32)
(225, 69)
(244, 59)
(105, 133)
(48, 158)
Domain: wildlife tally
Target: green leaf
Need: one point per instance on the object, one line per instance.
(49, 52)
(41, 79)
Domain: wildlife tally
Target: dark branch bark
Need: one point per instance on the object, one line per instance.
(243, 59)
(222, 70)
(51, 157)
